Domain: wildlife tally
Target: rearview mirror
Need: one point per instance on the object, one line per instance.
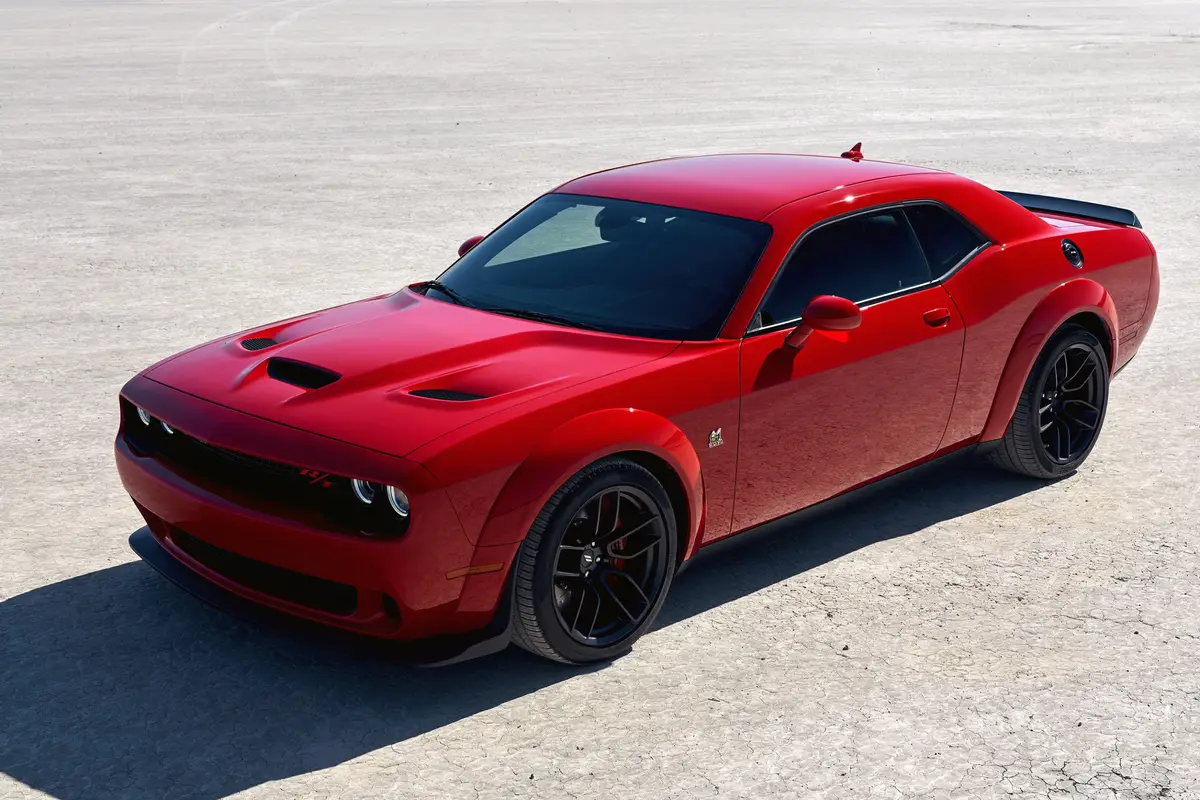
(468, 245)
(825, 312)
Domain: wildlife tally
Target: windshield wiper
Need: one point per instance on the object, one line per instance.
(539, 316)
(446, 290)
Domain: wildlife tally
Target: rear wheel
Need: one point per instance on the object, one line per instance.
(596, 565)
(1061, 410)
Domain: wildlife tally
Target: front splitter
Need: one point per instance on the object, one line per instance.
(431, 652)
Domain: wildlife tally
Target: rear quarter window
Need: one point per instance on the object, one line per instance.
(945, 238)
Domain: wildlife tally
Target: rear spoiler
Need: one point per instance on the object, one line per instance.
(1075, 208)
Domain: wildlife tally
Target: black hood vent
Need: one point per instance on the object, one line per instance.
(297, 373)
(258, 343)
(446, 394)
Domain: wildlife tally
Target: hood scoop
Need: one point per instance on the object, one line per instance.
(258, 343)
(297, 373)
(450, 395)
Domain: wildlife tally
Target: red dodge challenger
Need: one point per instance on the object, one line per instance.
(637, 364)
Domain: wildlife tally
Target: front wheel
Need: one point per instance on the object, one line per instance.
(1061, 410)
(596, 565)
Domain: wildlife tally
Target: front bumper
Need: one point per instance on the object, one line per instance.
(238, 549)
(432, 651)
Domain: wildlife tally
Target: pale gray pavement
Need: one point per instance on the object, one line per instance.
(172, 171)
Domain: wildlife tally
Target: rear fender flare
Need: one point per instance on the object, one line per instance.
(1078, 296)
(572, 446)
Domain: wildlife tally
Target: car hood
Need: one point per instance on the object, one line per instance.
(393, 373)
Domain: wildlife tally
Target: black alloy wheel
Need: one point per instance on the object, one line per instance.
(611, 564)
(596, 565)
(1069, 413)
(1061, 409)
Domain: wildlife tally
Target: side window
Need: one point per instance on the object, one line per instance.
(859, 258)
(944, 237)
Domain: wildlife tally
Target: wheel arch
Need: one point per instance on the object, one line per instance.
(1081, 301)
(1098, 327)
(665, 474)
(643, 437)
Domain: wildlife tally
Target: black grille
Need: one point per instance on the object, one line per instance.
(446, 394)
(292, 491)
(297, 373)
(295, 587)
(258, 343)
(198, 452)
(239, 471)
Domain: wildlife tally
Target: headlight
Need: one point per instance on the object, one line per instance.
(143, 416)
(166, 427)
(364, 491)
(398, 500)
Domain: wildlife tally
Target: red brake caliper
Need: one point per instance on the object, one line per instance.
(619, 545)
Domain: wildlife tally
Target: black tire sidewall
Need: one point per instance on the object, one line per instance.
(619, 473)
(1065, 338)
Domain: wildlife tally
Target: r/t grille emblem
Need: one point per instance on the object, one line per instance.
(316, 478)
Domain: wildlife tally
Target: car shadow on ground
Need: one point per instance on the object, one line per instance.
(117, 684)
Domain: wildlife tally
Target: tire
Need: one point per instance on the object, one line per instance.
(612, 497)
(1055, 397)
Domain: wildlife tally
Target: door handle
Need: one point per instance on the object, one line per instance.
(937, 317)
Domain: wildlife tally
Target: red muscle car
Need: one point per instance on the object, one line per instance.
(639, 363)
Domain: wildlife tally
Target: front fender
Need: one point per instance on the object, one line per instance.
(1078, 296)
(573, 445)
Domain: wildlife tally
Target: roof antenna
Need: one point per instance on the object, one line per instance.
(854, 153)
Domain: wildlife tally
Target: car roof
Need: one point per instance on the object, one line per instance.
(749, 185)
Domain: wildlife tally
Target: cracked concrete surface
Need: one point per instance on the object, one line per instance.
(175, 171)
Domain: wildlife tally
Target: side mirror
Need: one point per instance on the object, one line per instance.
(468, 245)
(825, 312)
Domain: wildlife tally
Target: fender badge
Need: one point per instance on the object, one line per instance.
(715, 439)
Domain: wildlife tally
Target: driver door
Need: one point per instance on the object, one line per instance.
(852, 406)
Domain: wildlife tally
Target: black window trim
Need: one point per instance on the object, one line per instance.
(985, 243)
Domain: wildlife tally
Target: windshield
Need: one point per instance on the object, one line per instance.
(612, 265)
